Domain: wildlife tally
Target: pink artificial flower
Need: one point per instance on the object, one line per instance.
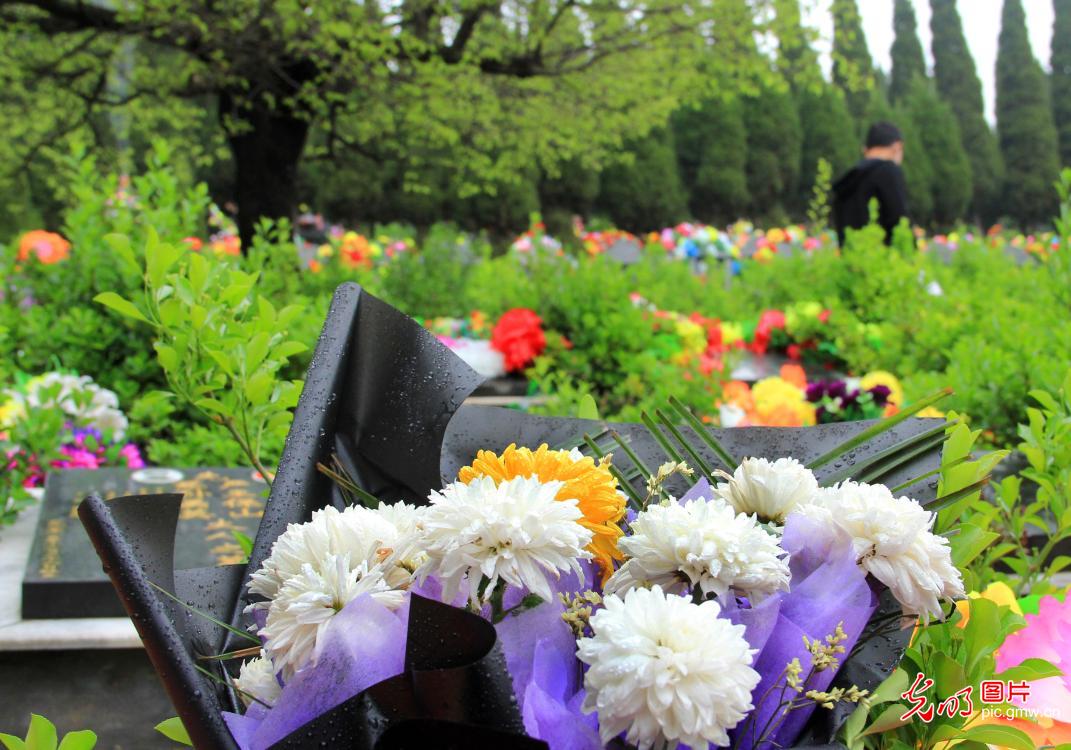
(1047, 636)
(668, 241)
(76, 458)
(132, 456)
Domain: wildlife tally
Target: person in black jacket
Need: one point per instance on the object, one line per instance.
(879, 176)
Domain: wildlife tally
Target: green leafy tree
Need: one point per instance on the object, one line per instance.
(853, 69)
(774, 140)
(496, 87)
(1060, 62)
(645, 192)
(959, 87)
(935, 127)
(1024, 124)
(908, 62)
(712, 159)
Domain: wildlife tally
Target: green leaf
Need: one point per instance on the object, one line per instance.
(243, 541)
(42, 734)
(970, 542)
(80, 740)
(288, 349)
(888, 720)
(1001, 736)
(587, 408)
(124, 307)
(174, 730)
(120, 246)
(258, 388)
(167, 356)
(891, 689)
(874, 430)
(256, 350)
(704, 434)
(11, 742)
(1030, 670)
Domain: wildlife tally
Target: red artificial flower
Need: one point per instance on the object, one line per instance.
(824, 316)
(194, 243)
(518, 334)
(47, 247)
(794, 351)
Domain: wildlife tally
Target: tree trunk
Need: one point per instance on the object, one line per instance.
(266, 156)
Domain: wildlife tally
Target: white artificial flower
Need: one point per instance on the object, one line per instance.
(893, 541)
(666, 670)
(389, 531)
(257, 681)
(480, 356)
(77, 396)
(769, 489)
(515, 531)
(701, 543)
(302, 609)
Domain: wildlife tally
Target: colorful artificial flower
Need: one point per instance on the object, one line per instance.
(663, 671)
(518, 334)
(886, 379)
(193, 243)
(591, 484)
(518, 531)
(779, 403)
(46, 247)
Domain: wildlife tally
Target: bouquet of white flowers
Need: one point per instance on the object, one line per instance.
(455, 581)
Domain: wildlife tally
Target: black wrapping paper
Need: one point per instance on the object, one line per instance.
(386, 397)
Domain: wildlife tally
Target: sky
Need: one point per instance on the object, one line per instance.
(981, 26)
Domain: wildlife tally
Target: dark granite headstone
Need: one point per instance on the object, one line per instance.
(64, 577)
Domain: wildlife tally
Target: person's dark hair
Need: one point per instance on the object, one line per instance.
(883, 134)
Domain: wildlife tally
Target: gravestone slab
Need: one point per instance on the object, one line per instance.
(63, 576)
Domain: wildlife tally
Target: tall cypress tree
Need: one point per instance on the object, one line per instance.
(907, 60)
(827, 128)
(959, 87)
(645, 193)
(1061, 77)
(1024, 124)
(773, 151)
(935, 126)
(853, 69)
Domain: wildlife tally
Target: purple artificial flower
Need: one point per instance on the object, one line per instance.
(816, 391)
(881, 394)
(836, 389)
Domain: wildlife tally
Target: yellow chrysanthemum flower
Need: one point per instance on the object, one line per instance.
(590, 484)
(781, 403)
(887, 379)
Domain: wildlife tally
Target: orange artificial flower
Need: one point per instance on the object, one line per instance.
(794, 374)
(590, 484)
(47, 247)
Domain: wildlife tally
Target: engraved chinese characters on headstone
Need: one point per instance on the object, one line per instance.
(63, 575)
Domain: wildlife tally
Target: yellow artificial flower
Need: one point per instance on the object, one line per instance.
(325, 251)
(887, 379)
(731, 333)
(999, 593)
(779, 402)
(692, 335)
(931, 411)
(590, 484)
(10, 413)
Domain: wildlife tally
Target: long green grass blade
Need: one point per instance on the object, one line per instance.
(634, 498)
(627, 450)
(205, 615)
(656, 433)
(874, 430)
(699, 463)
(953, 497)
(228, 683)
(899, 459)
(704, 434)
(854, 471)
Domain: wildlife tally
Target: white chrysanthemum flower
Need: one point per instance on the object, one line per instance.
(702, 543)
(665, 670)
(769, 489)
(892, 540)
(367, 536)
(301, 611)
(514, 531)
(257, 681)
